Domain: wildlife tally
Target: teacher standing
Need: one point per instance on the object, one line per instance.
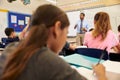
(82, 27)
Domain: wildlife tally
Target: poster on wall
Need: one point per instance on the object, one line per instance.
(13, 19)
(18, 21)
(27, 20)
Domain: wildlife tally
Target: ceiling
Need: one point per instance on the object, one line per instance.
(66, 5)
(69, 5)
(59, 3)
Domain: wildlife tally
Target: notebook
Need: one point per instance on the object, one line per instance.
(81, 60)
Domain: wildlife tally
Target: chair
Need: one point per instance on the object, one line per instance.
(92, 52)
(1, 45)
(66, 52)
(114, 56)
(4, 40)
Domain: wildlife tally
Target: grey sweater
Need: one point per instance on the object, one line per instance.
(45, 65)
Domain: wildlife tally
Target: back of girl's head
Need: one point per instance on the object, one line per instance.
(43, 18)
(48, 15)
(102, 24)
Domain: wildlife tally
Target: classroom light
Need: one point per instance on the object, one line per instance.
(85, 2)
(11, 0)
(52, 1)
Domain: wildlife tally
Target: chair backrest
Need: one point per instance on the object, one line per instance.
(114, 56)
(4, 40)
(1, 45)
(92, 52)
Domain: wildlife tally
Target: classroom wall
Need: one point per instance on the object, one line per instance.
(16, 6)
(3, 23)
(73, 16)
(113, 12)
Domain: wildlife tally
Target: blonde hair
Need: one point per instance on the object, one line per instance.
(102, 25)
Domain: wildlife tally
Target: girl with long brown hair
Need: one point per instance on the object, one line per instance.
(102, 36)
(35, 58)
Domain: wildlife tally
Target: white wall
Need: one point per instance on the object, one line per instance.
(113, 12)
(16, 6)
(3, 23)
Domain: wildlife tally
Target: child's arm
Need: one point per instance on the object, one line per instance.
(22, 34)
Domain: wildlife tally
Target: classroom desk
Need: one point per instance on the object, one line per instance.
(89, 74)
(83, 66)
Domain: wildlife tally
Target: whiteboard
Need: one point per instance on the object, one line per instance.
(118, 20)
(113, 12)
(3, 23)
(73, 18)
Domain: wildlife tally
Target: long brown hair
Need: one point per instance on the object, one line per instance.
(43, 18)
(102, 25)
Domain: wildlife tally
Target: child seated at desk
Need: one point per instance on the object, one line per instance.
(68, 49)
(36, 57)
(11, 35)
(102, 36)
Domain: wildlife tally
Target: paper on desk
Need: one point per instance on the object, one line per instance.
(87, 73)
(113, 76)
(81, 47)
(112, 66)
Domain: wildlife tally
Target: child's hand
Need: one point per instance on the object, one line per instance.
(100, 71)
(117, 48)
